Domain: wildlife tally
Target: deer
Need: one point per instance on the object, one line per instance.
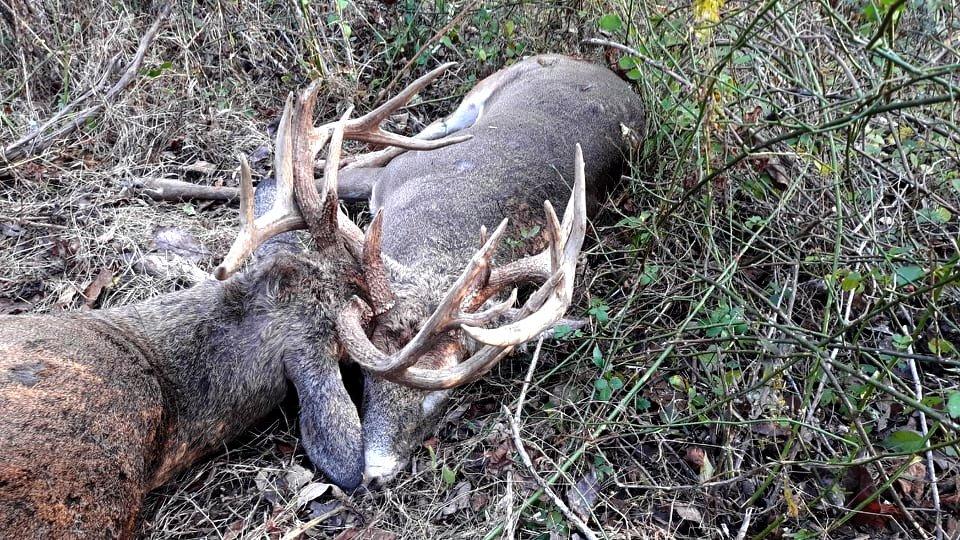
(102, 406)
(523, 121)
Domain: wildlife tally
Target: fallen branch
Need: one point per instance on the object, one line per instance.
(39, 139)
(514, 421)
(168, 189)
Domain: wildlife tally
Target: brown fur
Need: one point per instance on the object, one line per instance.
(98, 408)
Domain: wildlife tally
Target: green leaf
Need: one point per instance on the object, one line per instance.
(627, 62)
(597, 357)
(634, 74)
(448, 475)
(508, 28)
(903, 441)
(901, 341)
(616, 383)
(561, 331)
(599, 311)
(610, 23)
(907, 274)
(937, 215)
(941, 347)
(649, 275)
(188, 209)
(953, 404)
(852, 281)
(604, 392)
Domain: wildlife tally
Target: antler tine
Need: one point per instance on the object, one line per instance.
(367, 127)
(283, 216)
(378, 287)
(573, 229)
(444, 318)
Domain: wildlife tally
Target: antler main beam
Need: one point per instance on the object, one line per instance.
(542, 309)
(297, 144)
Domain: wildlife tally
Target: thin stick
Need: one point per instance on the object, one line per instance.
(518, 443)
(687, 85)
(439, 34)
(33, 142)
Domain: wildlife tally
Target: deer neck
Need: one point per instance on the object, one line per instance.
(215, 367)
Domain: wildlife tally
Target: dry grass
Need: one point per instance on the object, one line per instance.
(748, 288)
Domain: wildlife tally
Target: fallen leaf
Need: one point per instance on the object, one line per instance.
(874, 514)
(266, 486)
(179, 242)
(582, 496)
(93, 290)
(478, 501)
(10, 307)
(366, 534)
(688, 513)
(913, 480)
(310, 492)
(200, 166)
(297, 476)
(499, 457)
(459, 499)
(698, 457)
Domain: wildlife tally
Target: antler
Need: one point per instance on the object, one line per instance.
(543, 308)
(298, 204)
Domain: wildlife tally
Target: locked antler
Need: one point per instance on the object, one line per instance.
(478, 282)
(298, 204)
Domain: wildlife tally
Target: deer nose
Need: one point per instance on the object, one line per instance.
(380, 467)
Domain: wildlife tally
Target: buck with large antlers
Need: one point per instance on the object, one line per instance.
(101, 407)
(524, 122)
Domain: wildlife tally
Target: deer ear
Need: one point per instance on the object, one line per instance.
(329, 422)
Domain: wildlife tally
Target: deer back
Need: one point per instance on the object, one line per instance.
(519, 155)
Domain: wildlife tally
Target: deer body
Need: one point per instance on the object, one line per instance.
(100, 407)
(524, 121)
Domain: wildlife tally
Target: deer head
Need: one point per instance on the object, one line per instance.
(397, 335)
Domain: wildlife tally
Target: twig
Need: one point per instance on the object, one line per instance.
(34, 142)
(518, 443)
(925, 432)
(687, 85)
(439, 34)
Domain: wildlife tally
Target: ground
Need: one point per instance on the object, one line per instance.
(771, 294)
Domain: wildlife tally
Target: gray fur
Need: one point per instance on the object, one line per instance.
(531, 116)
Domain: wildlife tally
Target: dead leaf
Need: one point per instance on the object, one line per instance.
(913, 480)
(107, 236)
(11, 229)
(366, 534)
(310, 492)
(499, 457)
(698, 457)
(10, 307)
(874, 514)
(179, 242)
(582, 496)
(93, 290)
(478, 501)
(266, 486)
(297, 476)
(200, 166)
(688, 513)
(793, 509)
(459, 499)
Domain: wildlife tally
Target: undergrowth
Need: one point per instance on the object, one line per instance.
(771, 295)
